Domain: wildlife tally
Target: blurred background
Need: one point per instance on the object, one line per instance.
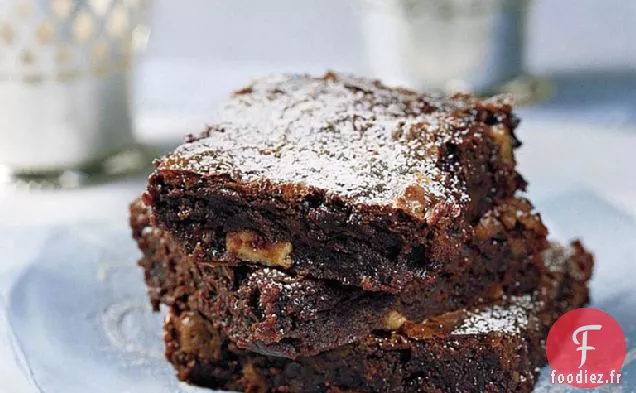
(596, 34)
(201, 49)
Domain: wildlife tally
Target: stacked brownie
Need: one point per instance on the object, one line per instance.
(332, 234)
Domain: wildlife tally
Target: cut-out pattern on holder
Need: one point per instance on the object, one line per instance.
(61, 40)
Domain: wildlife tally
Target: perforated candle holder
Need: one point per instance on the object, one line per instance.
(65, 91)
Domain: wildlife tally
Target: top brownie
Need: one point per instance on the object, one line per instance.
(338, 170)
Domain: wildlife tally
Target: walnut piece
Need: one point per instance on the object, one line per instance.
(195, 336)
(252, 379)
(503, 139)
(249, 247)
(415, 199)
(394, 320)
(438, 326)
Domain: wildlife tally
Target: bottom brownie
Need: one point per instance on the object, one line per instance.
(497, 348)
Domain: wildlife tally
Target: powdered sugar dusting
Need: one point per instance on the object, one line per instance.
(300, 293)
(350, 136)
(514, 315)
(556, 256)
(512, 318)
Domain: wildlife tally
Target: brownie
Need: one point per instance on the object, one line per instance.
(273, 312)
(496, 348)
(340, 178)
